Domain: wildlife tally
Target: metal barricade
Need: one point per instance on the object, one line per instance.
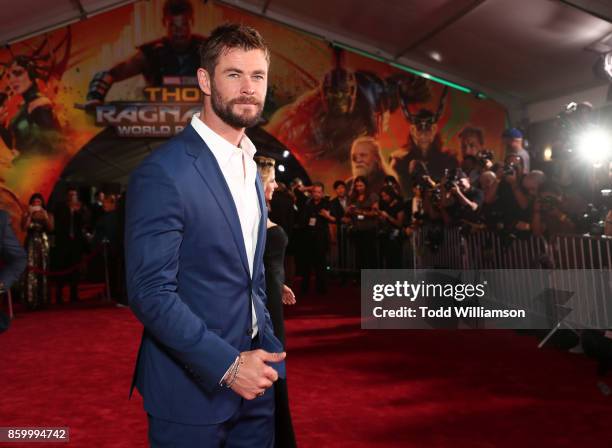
(584, 257)
(488, 250)
(435, 247)
(342, 251)
(448, 247)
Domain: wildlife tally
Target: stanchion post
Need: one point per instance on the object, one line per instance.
(105, 243)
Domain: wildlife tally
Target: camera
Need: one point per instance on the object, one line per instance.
(436, 196)
(452, 178)
(484, 156)
(510, 169)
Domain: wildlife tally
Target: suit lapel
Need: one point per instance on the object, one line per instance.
(261, 235)
(209, 170)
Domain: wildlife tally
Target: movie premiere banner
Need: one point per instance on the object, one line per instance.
(129, 75)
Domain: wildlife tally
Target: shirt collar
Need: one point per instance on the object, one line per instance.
(221, 148)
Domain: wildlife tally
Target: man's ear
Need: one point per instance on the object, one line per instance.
(204, 81)
(434, 129)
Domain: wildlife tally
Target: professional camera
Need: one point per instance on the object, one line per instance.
(436, 195)
(452, 178)
(484, 156)
(510, 169)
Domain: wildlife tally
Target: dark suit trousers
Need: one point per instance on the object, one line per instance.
(251, 426)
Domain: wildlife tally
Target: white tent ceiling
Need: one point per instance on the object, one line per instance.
(20, 19)
(517, 51)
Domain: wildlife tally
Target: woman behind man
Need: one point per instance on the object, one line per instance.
(37, 222)
(278, 294)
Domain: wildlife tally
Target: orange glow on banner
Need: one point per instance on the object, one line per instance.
(130, 74)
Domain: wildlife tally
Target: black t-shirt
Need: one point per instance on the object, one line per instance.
(337, 210)
(508, 206)
(393, 210)
(312, 220)
(459, 211)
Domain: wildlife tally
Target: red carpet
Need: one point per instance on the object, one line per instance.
(348, 387)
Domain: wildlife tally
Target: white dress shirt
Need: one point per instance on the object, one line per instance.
(239, 170)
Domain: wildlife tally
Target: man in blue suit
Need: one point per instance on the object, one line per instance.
(195, 235)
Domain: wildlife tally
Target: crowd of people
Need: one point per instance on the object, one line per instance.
(375, 211)
(383, 204)
(64, 243)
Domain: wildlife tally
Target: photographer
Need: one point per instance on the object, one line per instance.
(422, 205)
(491, 212)
(460, 201)
(474, 166)
(470, 166)
(513, 141)
(391, 182)
(513, 201)
(391, 218)
(472, 141)
(548, 216)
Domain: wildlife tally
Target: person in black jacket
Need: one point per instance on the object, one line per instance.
(71, 220)
(337, 208)
(315, 220)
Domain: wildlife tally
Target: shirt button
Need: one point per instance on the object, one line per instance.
(250, 332)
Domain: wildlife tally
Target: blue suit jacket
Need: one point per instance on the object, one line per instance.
(189, 284)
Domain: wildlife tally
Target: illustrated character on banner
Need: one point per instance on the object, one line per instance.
(367, 162)
(174, 55)
(29, 124)
(424, 144)
(324, 122)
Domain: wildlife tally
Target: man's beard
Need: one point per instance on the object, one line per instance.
(225, 112)
(364, 171)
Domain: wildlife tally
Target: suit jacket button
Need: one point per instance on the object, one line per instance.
(250, 332)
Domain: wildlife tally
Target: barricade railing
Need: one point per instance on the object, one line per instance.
(451, 248)
(581, 258)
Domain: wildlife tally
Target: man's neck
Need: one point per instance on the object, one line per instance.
(216, 124)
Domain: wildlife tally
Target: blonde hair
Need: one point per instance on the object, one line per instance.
(265, 167)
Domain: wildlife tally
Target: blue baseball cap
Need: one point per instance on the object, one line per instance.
(512, 133)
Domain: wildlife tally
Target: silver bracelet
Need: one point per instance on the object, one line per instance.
(228, 372)
(239, 362)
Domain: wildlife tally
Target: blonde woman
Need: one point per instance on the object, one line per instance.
(278, 294)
